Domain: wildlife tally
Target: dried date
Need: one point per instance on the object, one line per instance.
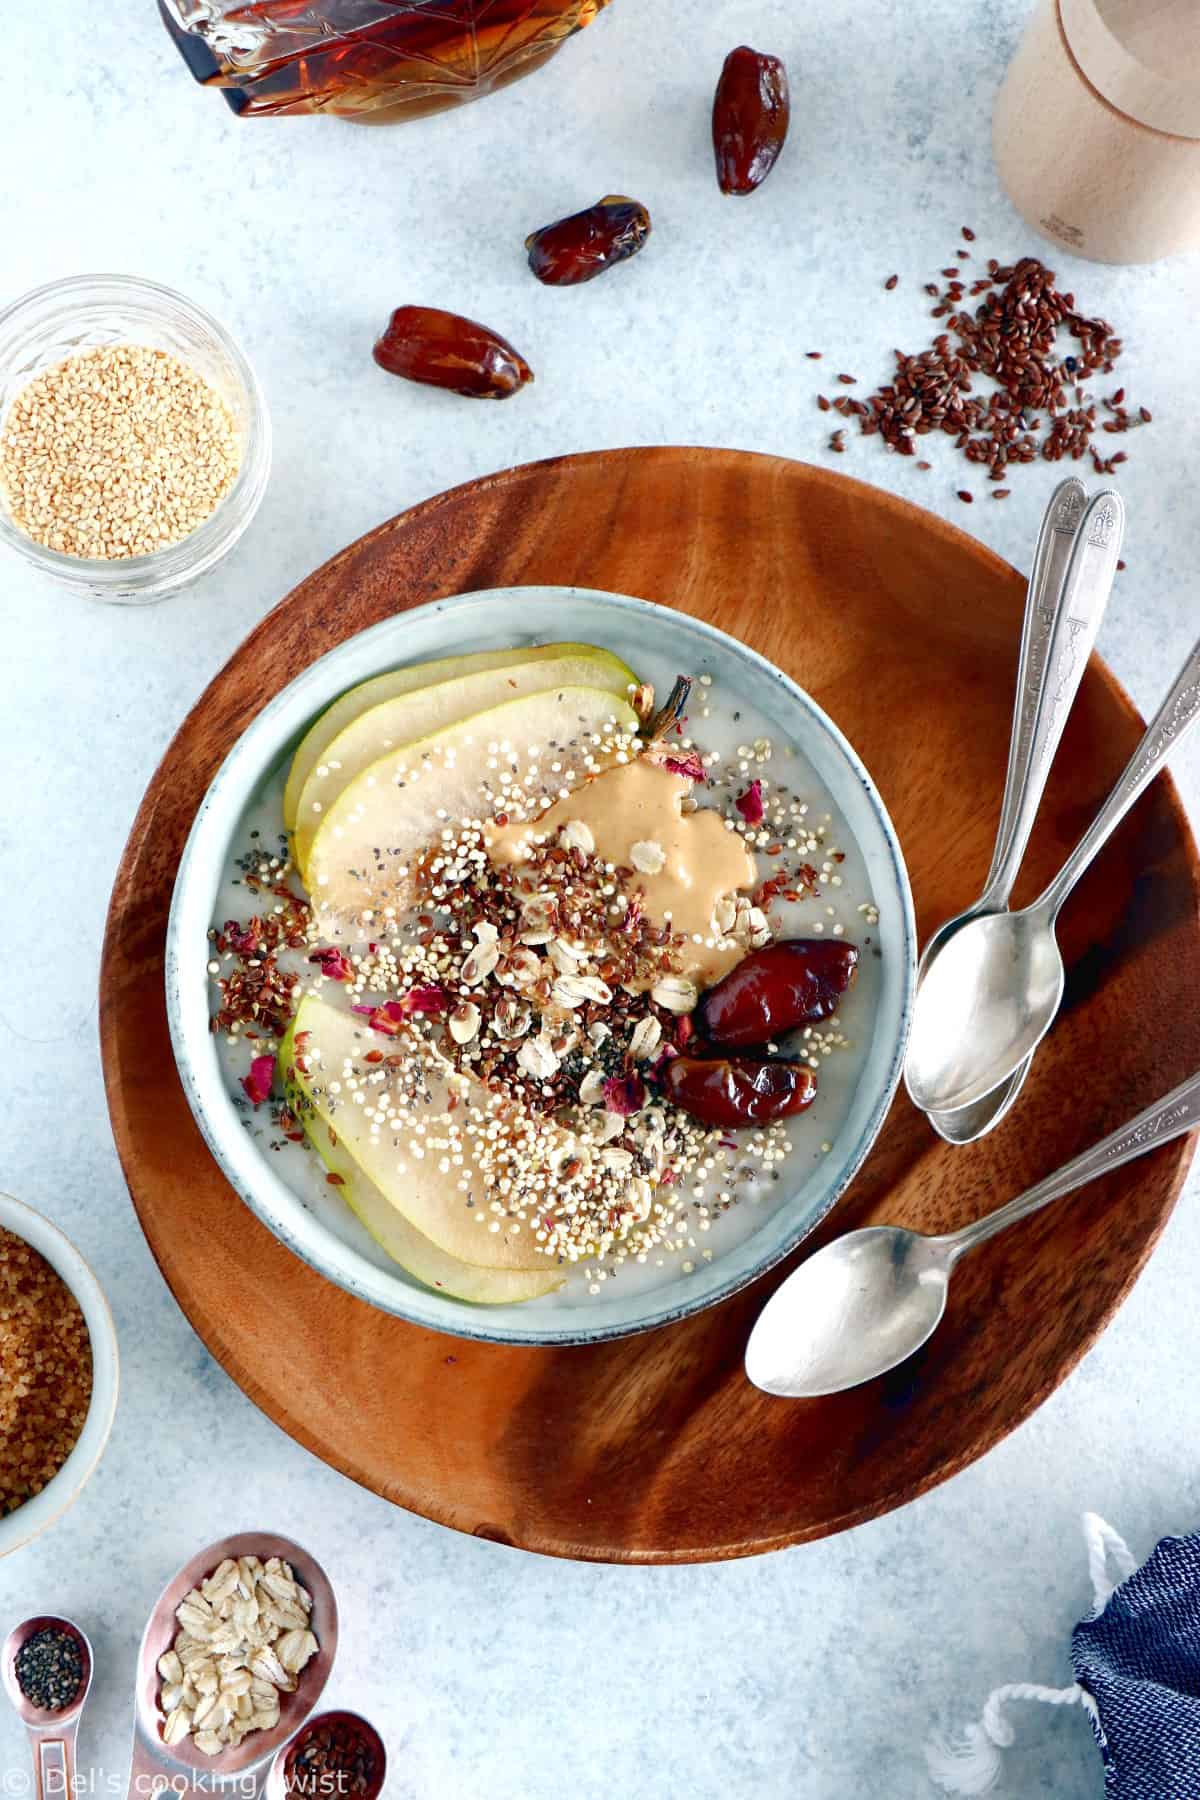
(587, 243)
(730, 1091)
(751, 113)
(441, 349)
(797, 981)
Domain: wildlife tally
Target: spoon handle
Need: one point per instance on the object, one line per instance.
(1076, 608)
(1167, 1118)
(1178, 712)
(1059, 526)
(53, 1760)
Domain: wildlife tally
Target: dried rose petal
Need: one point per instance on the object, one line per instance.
(334, 963)
(687, 763)
(750, 803)
(390, 1016)
(624, 1094)
(426, 1000)
(257, 1083)
(243, 939)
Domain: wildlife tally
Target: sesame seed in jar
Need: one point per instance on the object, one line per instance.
(116, 452)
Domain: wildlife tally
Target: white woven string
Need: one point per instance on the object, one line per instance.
(970, 1762)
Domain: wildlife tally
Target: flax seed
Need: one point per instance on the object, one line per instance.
(1041, 406)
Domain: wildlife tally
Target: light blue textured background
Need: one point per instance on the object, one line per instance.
(814, 1674)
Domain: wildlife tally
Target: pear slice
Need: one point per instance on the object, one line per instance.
(363, 856)
(414, 1186)
(396, 682)
(404, 718)
(392, 1231)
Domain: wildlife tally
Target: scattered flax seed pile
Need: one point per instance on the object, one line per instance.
(116, 452)
(45, 1372)
(1040, 406)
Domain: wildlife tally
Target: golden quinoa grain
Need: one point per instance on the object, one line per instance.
(116, 452)
(45, 1372)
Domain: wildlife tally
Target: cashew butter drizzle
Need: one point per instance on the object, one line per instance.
(639, 803)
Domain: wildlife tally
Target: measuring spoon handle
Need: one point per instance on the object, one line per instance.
(1177, 714)
(54, 1760)
(1168, 1118)
(1059, 525)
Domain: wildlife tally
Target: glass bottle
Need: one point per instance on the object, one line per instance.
(371, 60)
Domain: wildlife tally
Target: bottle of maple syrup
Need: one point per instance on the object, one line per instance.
(370, 60)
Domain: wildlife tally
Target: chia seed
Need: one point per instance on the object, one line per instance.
(49, 1669)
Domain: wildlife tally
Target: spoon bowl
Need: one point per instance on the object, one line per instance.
(965, 1124)
(986, 1003)
(151, 1756)
(854, 1310)
(39, 1717)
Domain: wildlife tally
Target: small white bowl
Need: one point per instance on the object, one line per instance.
(88, 312)
(658, 642)
(43, 1509)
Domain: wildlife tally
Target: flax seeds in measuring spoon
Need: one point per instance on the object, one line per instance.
(116, 452)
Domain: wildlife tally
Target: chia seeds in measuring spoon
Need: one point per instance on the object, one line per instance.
(50, 1670)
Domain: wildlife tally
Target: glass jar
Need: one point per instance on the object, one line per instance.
(88, 312)
(371, 60)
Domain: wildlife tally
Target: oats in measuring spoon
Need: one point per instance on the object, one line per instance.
(244, 1637)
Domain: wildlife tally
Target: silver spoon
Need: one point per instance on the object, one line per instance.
(51, 1734)
(276, 1785)
(155, 1764)
(1056, 591)
(870, 1299)
(995, 990)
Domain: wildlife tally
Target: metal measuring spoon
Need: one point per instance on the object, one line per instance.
(51, 1734)
(867, 1301)
(1073, 572)
(152, 1760)
(995, 990)
(276, 1787)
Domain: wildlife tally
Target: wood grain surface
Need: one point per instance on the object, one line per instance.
(656, 1448)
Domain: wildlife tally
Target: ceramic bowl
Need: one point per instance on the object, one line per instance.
(658, 643)
(35, 1515)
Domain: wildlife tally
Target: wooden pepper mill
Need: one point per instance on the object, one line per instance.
(1097, 127)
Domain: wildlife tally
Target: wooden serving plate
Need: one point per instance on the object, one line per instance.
(656, 1448)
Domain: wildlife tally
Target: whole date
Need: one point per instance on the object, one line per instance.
(442, 349)
(729, 1091)
(587, 243)
(796, 981)
(751, 113)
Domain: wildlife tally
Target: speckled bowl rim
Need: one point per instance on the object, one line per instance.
(37, 1515)
(255, 754)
